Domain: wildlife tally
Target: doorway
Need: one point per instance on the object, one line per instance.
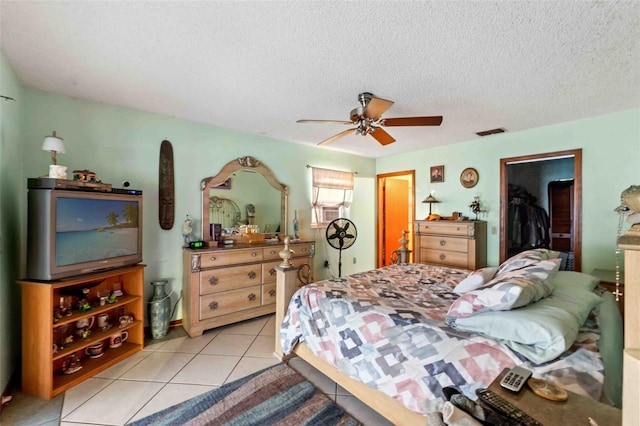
(511, 173)
(395, 213)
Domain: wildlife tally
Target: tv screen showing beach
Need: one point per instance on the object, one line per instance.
(94, 229)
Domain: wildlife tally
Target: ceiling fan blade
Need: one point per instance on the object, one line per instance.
(324, 121)
(376, 107)
(381, 135)
(339, 135)
(412, 121)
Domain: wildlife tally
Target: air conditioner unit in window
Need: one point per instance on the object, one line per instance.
(328, 214)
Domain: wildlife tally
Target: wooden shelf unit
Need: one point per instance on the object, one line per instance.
(42, 373)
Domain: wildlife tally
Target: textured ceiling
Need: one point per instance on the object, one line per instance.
(257, 67)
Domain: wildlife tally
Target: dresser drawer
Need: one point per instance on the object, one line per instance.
(269, 268)
(443, 257)
(222, 258)
(445, 243)
(446, 228)
(302, 250)
(233, 277)
(272, 253)
(213, 305)
(269, 294)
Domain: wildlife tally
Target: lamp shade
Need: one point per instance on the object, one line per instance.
(430, 199)
(53, 143)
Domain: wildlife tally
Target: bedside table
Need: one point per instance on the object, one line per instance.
(574, 411)
(607, 279)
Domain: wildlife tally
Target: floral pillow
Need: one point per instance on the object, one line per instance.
(476, 279)
(507, 291)
(527, 258)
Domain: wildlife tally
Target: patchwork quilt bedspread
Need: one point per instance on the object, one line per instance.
(386, 328)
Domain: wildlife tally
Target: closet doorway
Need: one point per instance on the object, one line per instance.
(395, 213)
(533, 179)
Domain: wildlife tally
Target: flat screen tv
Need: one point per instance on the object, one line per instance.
(72, 233)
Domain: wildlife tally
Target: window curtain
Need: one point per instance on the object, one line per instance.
(330, 188)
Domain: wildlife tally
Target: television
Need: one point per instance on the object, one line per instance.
(71, 233)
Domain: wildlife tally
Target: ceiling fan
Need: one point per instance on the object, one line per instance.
(368, 120)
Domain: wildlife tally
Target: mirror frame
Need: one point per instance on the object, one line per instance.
(250, 163)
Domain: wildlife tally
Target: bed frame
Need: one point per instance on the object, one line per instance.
(391, 409)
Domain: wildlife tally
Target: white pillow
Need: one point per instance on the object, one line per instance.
(476, 279)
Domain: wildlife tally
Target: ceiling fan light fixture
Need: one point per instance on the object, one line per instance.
(367, 118)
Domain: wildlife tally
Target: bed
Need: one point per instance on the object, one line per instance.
(395, 336)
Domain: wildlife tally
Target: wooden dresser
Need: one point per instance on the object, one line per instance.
(459, 244)
(223, 285)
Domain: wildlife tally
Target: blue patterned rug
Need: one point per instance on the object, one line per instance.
(274, 396)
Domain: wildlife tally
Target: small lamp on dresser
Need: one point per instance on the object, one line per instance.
(55, 144)
(430, 199)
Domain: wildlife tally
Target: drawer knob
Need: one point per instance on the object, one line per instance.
(458, 228)
(254, 254)
(251, 275)
(213, 280)
(213, 306)
(251, 297)
(272, 252)
(272, 271)
(303, 249)
(272, 293)
(212, 258)
(443, 242)
(442, 256)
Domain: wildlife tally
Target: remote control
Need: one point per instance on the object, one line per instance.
(505, 408)
(515, 378)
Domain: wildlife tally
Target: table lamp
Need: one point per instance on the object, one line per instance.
(430, 199)
(55, 144)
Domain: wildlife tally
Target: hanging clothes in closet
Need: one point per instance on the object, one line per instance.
(528, 223)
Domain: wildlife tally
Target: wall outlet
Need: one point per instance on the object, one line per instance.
(494, 230)
(354, 260)
(326, 263)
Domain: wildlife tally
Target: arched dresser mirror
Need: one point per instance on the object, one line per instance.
(245, 191)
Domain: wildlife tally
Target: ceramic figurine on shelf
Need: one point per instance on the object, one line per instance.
(68, 341)
(71, 365)
(84, 306)
(112, 298)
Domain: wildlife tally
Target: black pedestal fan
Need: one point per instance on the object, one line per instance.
(341, 234)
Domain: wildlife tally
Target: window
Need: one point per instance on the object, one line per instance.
(332, 193)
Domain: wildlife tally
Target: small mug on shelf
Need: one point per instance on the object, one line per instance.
(116, 340)
(95, 351)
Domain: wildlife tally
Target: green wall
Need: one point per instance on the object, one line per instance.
(12, 219)
(610, 163)
(122, 144)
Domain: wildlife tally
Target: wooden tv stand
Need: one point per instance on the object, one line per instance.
(42, 369)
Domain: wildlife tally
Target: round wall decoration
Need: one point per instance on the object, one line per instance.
(469, 177)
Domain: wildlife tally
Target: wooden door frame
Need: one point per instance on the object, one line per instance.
(576, 154)
(410, 206)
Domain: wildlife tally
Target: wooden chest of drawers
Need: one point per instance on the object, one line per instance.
(459, 244)
(230, 284)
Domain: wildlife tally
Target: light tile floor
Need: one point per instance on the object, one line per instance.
(169, 371)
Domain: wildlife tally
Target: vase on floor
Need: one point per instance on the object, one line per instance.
(159, 310)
